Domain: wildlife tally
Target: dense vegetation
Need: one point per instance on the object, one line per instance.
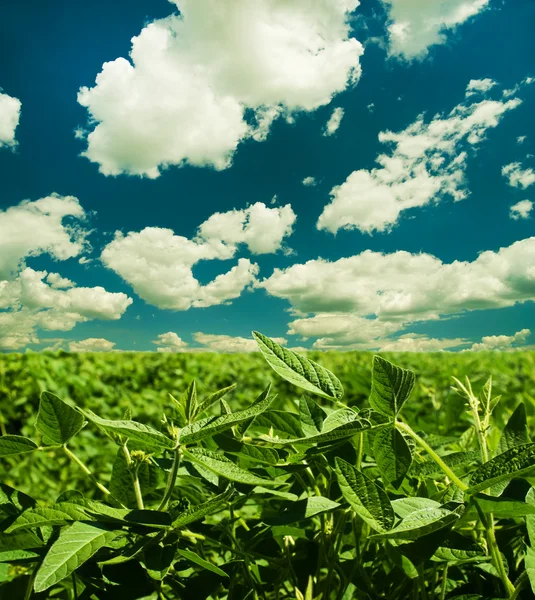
(397, 488)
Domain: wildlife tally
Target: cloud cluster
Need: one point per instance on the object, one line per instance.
(502, 342)
(159, 264)
(9, 119)
(92, 345)
(334, 121)
(521, 210)
(363, 298)
(32, 300)
(517, 176)
(221, 71)
(416, 25)
(425, 163)
(171, 342)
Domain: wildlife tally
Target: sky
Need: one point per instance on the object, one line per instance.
(337, 175)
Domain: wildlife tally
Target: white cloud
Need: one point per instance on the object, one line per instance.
(521, 210)
(479, 86)
(521, 139)
(170, 342)
(33, 228)
(309, 181)
(415, 25)
(412, 342)
(502, 342)
(517, 176)
(193, 77)
(9, 119)
(426, 162)
(227, 343)
(334, 121)
(29, 302)
(59, 282)
(363, 298)
(158, 264)
(92, 345)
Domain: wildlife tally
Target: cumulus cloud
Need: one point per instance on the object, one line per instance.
(221, 71)
(29, 302)
(9, 119)
(425, 163)
(158, 264)
(414, 26)
(334, 121)
(309, 181)
(521, 139)
(92, 345)
(412, 342)
(521, 210)
(50, 225)
(170, 342)
(517, 176)
(479, 86)
(227, 343)
(365, 297)
(502, 342)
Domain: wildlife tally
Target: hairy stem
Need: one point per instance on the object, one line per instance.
(135, 478)
(171, 481)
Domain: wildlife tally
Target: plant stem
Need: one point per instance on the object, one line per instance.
(447, 471)
(360, 444)
(171, 481)
(29, 587)
(102, 488)
(444, 582)
(520, 583)
(135, 478)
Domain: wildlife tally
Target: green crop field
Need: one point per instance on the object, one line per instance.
(121, 478)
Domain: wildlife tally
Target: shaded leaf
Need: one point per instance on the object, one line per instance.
(392, 455)
(56, 420)
(311, 416)
(421, 522)
(213, 398)
(391, 386)
(196, 559)
(199, 511)
(300, 510)
(10, 445)
(515, 432)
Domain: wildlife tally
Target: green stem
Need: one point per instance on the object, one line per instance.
(29, 587)
(447, 471)
(171, 481)
(135, 478)
(519, 584)
(360, 448)
(103, 489)
(444, 582)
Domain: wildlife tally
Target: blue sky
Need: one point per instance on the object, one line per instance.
(415, 231)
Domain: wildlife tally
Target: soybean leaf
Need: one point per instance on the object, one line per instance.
(311, 416)
(186, 405)
(529, 561)
(75, 545)
(365, 497)
(12, 501)
(281, 422)
(259, 454)
(299, 370)
(337, 418)
(222, 466)
(421, 522)
(516, 462)
(56, 420)
(11, 445)
(515, 432)
(286, 495)
(300, 510)
(405, 506)
(206, 428)
(19, 540)
(121, 483)
(138, 432)
(530, 519)
(392, 455)
(199, 511)
(503, 508)
(59, 514)
(391, 386)
(213, 398)
(454, 459)
(157, 559)
(195, 558)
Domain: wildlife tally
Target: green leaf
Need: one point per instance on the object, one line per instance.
(281, 422)
(286, 495)
(311, 416)
(515, 462)
(392, 455)
(405, 506)
(391, 386)
(421, 522)
(199, 511)
(515, 432)
(206, 428)
(337, 418)
(365, 497)
(186, 406)
(300, 510)
(196, 559)
(299, 370)
(75, 545)
(260, 454)
(157, 559)
(213, 398)
(59, 514)
(13, 502)
(222, 466)
(503, 508)
(56, 420)
(10, 445)
(19, 540)
(138, 432)
(529, 561)
(121, 483)
(530, 519)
